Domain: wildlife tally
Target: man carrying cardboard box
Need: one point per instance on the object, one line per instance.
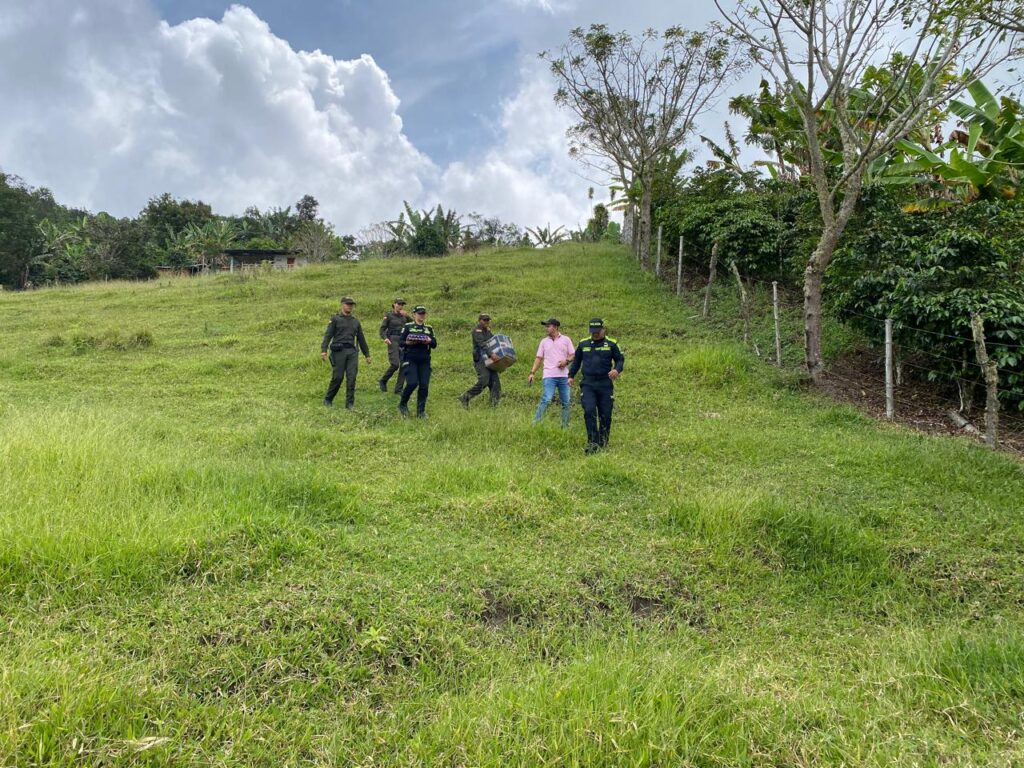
(486, 377)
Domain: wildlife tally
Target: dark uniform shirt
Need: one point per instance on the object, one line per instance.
(597, 358)
(417, 352)
(344, 331)
(392, 325)
(480, 337)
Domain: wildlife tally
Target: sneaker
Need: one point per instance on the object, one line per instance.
(591, 448)
(464, 401)
(349, 406)
(421, 415)
(403, 411)
(383, 386)
(328, 403)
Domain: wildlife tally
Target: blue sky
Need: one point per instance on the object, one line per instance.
(451, 62)
(115, 101)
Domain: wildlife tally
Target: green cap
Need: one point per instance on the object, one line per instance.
(347, 300)
(596, 323)
(418, 308)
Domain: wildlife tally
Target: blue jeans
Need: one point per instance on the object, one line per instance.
(550, 384)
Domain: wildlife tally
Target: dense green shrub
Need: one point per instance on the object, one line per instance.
(766, 227)
(928, 271)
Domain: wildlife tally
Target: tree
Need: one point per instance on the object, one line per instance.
(317, 241)
(378, 240)
(1005, 14)
(114, 248)
(823, 55)
(637, 99)
(306, 209)
(598, 224)
(22, 208)
(491, 231)
(164, 217)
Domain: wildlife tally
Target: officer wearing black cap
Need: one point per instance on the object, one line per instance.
(601, 361)
(343, 333)
(390, 332)
(485, 377)
(416, 341)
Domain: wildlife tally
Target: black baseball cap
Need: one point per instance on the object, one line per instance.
(398, 301)
(484, 316)
(551, 321)
(347, 300)
(418, 308)
(596, 323)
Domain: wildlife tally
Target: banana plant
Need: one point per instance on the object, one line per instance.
(544, 237)
(984, 159)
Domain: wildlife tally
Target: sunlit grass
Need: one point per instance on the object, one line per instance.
(199, 564)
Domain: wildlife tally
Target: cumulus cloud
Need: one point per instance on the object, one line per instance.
(528, 176)
(109, 105)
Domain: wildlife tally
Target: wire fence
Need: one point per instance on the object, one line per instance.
(896, 377)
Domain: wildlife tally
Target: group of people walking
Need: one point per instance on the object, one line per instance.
(410, 341)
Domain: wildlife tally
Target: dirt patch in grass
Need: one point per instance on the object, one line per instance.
(858, 378)
(498, 611)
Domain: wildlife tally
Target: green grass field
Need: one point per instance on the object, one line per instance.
(201, 565)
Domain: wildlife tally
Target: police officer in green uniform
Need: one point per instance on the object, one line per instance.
(601, 361)
(485, 377)
(390, 332)
(342, 334)
(416, 341)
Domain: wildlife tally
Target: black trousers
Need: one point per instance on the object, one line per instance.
(485, 378)
(417, 377)
(344, 366)
(395, 364)
(597, 402)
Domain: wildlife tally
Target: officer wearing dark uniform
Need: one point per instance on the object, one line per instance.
(390, 332)
(485, 377)
(343, 332)
(601, 361)
(416, 341)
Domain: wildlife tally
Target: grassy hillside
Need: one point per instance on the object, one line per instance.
(199, 564)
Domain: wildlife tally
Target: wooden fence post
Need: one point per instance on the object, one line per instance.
(679, 270)
(991, 382)
(890, 400)
(775, 313)
(711, 279)
(657, 261)
(744, 306)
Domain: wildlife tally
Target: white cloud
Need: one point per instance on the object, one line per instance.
(109, 106)
(549, 6)
(528, 177)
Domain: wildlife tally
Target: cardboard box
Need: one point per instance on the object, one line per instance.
(499, 345)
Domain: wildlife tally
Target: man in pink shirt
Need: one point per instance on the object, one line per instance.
(554, 353)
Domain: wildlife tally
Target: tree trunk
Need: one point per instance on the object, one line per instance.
(814, 276)
(644, 234)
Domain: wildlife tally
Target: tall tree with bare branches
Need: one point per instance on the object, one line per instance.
(1006, 14)
(826, 55)
(636, 99)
